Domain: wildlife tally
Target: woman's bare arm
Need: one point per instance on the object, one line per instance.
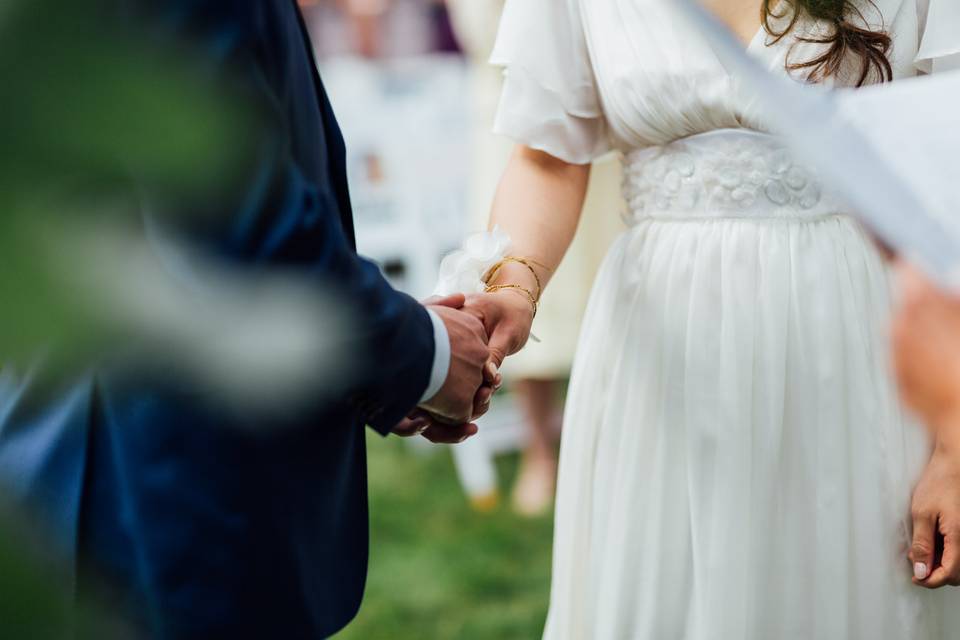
(538, 203)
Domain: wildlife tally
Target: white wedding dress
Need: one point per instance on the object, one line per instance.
(735, 465)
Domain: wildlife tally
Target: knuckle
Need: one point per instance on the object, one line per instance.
(921, 549)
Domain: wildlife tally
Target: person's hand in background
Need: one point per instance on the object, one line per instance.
(935, 510)
(926, 348)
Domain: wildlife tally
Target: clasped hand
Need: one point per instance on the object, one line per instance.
(483, 329)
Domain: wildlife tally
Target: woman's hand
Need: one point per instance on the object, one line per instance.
(936, 521)
(507, 315)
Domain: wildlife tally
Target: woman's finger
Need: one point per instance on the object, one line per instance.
(491, 374)
(481, 402)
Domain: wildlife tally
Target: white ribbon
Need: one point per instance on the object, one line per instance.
(462, 271)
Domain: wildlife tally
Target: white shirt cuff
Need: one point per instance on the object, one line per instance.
(441, 357)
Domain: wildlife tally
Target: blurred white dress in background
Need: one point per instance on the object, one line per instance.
(735, 464)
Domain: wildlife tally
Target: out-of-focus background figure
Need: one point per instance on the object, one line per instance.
(378, 28)
(539, 372)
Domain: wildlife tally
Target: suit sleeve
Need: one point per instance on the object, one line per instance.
(292, 208)
(393, 338)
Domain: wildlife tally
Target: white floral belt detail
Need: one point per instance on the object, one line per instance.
(728, 173)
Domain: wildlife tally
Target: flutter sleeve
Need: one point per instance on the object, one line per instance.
(939, 35)
(550, 100)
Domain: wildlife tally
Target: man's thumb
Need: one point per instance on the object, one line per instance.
(453, 300)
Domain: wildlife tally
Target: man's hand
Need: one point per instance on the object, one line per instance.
(442, 429)
(454, 403)
(926, 346)
(935, 553)
(420, 423)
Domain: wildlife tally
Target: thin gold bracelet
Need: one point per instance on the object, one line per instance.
(527, 262)
(492, 288)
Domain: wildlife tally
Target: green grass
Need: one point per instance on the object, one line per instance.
(439, 570)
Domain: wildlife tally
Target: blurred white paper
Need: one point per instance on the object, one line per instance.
(888, 150)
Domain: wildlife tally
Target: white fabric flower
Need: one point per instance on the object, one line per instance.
(462, 270)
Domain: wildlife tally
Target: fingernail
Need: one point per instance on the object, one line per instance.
(920, 571)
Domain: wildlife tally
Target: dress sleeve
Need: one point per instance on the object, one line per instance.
(939, 35)
(549, 99)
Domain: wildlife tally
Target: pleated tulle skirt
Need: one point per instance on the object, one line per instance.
(735, 465)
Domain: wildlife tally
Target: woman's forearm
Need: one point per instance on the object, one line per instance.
(538, 203)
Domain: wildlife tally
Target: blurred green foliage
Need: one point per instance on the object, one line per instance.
(29, 608)
(439, 570)
(90, 97)
(35, 603)
(91, 113)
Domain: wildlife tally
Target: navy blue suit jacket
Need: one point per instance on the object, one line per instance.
(200, 526)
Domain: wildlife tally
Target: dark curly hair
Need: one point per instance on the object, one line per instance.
(849, 38)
